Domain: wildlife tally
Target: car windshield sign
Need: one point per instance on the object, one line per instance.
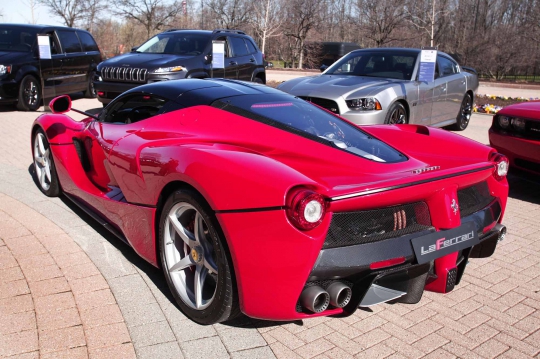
(307, 120)
(177, 44)
(394, 64)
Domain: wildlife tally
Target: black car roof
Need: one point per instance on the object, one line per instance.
(203, 91)
(38, 27)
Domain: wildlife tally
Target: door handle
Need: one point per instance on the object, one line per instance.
(233, 63)
(252, 60)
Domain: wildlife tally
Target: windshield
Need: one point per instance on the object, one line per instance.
(393, 64)
(17, 39)
(178, 44)
(300, 117)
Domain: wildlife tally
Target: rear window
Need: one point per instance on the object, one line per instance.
(69, 41)
(238, 46)
(19, 40)
(302, 118)
(88, 43)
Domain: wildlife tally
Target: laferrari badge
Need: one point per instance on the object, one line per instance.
(454, 206)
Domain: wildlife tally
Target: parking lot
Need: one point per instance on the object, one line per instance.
(70, 289)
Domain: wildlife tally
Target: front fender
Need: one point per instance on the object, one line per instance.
(60, 129)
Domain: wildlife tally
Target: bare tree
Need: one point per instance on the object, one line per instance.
(154, 15)
(267, 20)
(380, 18)
(229, 14)
(303, 16)
(71, 11)
(32, 4)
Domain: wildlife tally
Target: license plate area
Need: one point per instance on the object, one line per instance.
(438, 244)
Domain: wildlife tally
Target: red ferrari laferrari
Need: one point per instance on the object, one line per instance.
(255, 201)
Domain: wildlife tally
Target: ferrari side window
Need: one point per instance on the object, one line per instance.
(133, 108)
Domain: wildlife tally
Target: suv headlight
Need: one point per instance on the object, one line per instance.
(364, 104)
(169, 69)
(5, 69)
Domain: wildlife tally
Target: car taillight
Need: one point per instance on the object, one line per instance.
(501, 165)
(306, 209)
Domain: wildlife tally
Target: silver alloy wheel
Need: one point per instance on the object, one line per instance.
(397, 116)
(189, 256)
(31, 93)
(42, 161)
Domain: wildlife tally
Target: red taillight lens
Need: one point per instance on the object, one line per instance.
(101, 93)
(501, 165)
(306, 209)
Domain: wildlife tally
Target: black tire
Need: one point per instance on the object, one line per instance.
(45, 170)
(90, 91)
(258, 80)
(208, 251)
(29, 94)
(464, 115)
(397, 114)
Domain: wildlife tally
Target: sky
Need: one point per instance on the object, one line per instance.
(18, 11)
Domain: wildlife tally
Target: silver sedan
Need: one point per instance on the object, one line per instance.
(376, 86)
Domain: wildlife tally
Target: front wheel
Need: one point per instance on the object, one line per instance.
(90, 91)
(46, 176)
(195, 260)
(397, 114)
(464, 115)
(29, 94)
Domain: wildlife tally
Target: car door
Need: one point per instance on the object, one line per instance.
(74, 67)
(104, 142)
(455, 85)
(231, 65)
(51, 69)
(439, 111)
(242, 57)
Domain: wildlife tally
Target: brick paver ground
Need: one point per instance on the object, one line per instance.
(80, 291)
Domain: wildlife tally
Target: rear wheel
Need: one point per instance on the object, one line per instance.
(46, 176)
(397, 114)
(29, 94)
(258, 80)
(195, 260)
(464, 115)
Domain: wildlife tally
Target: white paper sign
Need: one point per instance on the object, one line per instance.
(218, 54)
(44, 47)
(428, 60)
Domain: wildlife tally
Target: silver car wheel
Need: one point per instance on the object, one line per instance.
(466, 111)
(189, 256)
(397, 116)
(42, 161)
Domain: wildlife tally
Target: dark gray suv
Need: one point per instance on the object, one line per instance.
(179, 54)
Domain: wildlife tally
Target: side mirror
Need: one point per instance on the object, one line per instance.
(134, 48)
(60, 104)
(323, 68)
(208, 58)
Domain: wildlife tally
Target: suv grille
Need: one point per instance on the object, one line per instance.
(474, 198)
(351, 228)
(330, 105)
(124, 74)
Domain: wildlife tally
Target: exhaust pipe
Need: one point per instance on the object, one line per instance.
(340, 294)
(315, 299)
(502, 231)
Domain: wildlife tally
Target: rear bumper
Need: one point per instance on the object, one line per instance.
(522, 153)
(273, 264)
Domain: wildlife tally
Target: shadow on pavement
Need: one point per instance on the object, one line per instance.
(524, 186)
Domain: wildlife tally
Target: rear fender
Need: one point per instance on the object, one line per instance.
(228, 177)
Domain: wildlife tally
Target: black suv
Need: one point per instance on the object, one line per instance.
(74, 57)
(179, 54)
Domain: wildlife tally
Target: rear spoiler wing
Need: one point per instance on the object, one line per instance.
(469, 69)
